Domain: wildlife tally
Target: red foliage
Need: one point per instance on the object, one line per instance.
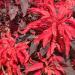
(51, 66)
(11, 54)
(56, 23)
(35, 36)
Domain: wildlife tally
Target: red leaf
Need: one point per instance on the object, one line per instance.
(67, 45)
(60, 69)
(57, 72)
(34, 67)
(38, 73)
(49, 72)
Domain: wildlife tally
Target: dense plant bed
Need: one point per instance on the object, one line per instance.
(37, 37)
